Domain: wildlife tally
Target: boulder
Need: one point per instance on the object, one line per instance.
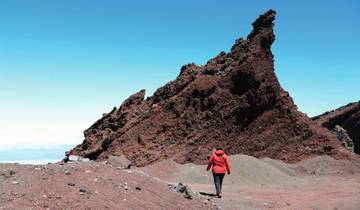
(119, 161)
(344, 137)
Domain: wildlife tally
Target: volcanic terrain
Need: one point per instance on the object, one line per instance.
(348, 117)
(234, 101)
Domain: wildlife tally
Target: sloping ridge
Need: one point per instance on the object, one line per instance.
(348, 117)
(234, 101)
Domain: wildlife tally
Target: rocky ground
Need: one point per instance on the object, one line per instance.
(86, 185)
(318, 183)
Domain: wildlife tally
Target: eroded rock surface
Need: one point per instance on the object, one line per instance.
(234, 100)
(348, 117)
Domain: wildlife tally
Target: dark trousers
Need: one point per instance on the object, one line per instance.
(218, 179)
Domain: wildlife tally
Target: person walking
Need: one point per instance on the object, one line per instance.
(220, 165)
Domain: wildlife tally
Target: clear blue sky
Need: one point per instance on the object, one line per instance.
(64, 63)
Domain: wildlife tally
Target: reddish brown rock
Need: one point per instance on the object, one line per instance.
(235, 101)
(348, 117)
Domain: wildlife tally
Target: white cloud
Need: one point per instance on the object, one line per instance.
(32, 136)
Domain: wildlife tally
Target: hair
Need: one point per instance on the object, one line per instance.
(218, 148)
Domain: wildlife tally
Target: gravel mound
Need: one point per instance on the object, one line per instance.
(246, 170)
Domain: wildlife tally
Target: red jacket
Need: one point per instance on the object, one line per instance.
(219, 162)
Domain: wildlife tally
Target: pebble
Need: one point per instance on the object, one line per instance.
(67, 173)
(12, 172)
(71, 184)
(14, 182)
(82, 190)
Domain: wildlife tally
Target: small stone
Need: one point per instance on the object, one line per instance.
(14, 182)
(185, 190)
(126, 186)
(71, 184)
(74, 158)
(128, 171)
(138, 188)
(82, 190)
(67, 173)
(12, 172)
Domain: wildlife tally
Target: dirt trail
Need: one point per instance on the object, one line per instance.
(318, 183)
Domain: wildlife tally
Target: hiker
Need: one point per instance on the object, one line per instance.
(220, 165)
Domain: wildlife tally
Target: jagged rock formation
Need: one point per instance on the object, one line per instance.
(235, 101)
(344, 137)
(348, 117)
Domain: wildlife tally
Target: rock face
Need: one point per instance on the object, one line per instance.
(348, 117)
(234, 101)
(344, 137)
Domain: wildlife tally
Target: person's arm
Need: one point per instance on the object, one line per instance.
(210, 162)
(227, 164)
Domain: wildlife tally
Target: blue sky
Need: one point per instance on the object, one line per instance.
(64, 63)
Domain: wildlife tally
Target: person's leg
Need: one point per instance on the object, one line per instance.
(221, 178)
(217, 183)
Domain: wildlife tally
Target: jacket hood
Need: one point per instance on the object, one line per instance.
(219, 152)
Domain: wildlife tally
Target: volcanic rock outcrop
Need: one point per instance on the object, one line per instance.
(234, 101)
(344, 137)
(348, 117)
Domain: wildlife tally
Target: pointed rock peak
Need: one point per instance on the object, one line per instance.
(264, 21)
